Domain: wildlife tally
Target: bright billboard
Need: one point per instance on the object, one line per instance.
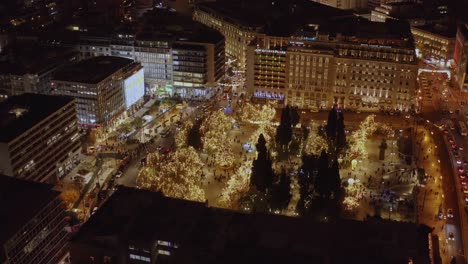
(134, 87)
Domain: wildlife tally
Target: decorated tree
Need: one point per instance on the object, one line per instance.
(331, 127)
(315, 144)
(181, 138)
(176, 175)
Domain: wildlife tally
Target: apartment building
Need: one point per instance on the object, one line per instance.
(39, 138)
(104, 87)
(355, 63)
(32, 222)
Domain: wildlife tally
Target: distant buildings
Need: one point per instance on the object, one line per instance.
(180, 57)
(138, 226)
(344, 4)
(32, 221)
(103, 87)
(27, 68)
(39, 138)
(314, 61)
(461, 57)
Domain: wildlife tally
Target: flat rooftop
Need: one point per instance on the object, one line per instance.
(91, 70)
(34, 59)
(32, 109)
(262, 13)
(166, 25)
(20, 201)
(234, 237)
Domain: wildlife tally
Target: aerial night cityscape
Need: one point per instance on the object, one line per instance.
(233, 131)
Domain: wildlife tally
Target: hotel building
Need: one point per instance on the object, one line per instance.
(343, 64)
(103, 87)
(39, 138)
(461, 58)
(435, 43)
(32, 223)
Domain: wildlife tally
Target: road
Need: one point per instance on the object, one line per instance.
(437, 97)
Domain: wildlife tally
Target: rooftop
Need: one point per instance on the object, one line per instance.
(19, 202)
(262, 12)
(91, 70)
(34, 59)
(167, 25)
(21, 112)
(233, 237)
(447, 31)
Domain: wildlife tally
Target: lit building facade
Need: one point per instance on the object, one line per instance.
(187, 62)
(237, 34)
(99, 85)
(461, 57)
(344, 4)
(34, 232)
(434, 45)
(359, 73)
(39, 139)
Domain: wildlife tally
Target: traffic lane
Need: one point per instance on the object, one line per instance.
(450, 195)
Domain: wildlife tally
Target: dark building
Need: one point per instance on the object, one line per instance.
(27, 68)
(39, 137)
(138, 226)
(31, 222)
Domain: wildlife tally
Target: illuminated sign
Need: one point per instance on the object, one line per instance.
(271, 51)
(134, 88)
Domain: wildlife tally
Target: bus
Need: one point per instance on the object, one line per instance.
(462, 128)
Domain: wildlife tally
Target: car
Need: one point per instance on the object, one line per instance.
(461, 169)
(446, 131)
(450, 213)
(462, 175)
(118, 174)
(159, 148)
(459, 162)
(451, 236)
(451, 140)
(460, 148)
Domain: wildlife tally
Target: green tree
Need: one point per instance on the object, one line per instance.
(194, 136)
(138, 122)
(284, 130)
(294, 116)
(332, 123)
(262, 172)
(281, 192)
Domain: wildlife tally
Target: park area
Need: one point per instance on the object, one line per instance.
(268, 159)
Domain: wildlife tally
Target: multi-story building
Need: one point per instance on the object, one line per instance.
(28, 68)
(238, 33)
(435, 42)
(460, 58)
(344, 4)
(139, 226)
(354, 63)
(39, 138)
(170, 47)
(104, 87)
(32, 223)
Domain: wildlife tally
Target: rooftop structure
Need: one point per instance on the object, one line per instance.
(19, 114)
(138, 224)
(93, 70)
